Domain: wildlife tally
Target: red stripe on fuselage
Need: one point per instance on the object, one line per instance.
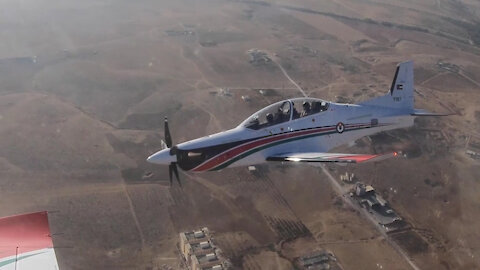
(225, 156)
(231, 153)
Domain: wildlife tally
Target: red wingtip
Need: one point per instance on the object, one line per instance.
(24, 233)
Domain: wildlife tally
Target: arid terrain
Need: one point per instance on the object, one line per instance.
(85, 85)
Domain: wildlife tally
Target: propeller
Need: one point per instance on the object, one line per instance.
(172, 168)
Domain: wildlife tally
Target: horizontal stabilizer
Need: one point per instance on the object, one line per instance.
(330, 157)
(419, 112)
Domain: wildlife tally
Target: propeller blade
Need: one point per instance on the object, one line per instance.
(168, 137)
(170, 169)
(175, 170)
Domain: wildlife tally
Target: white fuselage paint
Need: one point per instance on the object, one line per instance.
(347, 114)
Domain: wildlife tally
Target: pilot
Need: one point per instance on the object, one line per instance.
(254, 123)
(323, 106)
(269, 117)
(283, 114)
(306, 109)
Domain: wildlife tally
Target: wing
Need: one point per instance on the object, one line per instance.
(330, 157)
(25, 243)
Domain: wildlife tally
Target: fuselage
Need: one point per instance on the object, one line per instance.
(284, 127)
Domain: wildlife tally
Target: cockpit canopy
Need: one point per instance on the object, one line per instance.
(307, 106)
(285, 111)
(276, 113)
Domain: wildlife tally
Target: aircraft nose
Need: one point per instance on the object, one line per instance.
(162, 157)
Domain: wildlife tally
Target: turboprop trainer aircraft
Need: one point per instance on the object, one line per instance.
(298, 130)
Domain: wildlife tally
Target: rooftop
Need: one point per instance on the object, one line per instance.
(318, 260)
(197, 235)
(315, 260)
(207, 257)
(215, 267)
(201, 247)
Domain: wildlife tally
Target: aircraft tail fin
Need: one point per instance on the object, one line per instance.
(401, 91)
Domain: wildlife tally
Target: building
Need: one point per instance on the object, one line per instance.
(193, 237)
(258, 57)
(348, 178)
(199, 252)
(206, 261)
(246, 98)
(225, 92)
(215, 267)
(320, 260)
(197, 249)
(363, 190)
(377, 207)
(473, 154)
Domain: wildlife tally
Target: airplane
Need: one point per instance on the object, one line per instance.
(298, 130)
(26, 243)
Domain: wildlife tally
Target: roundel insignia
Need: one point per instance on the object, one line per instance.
(340, 127)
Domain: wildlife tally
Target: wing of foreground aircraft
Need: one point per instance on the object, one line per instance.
(330, 157)
(26, 243)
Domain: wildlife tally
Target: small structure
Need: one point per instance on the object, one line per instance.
(258, 57)
(190, 240)
(377, 206)
(215, 267)
(225, 92)
(363, 190)
(473, 147)
(201, 248)
(174, 33)
(448, 66)
(348, 178)
(246, 98)
(268, 91)
(205, 261)
(473, 154)
(321, 260)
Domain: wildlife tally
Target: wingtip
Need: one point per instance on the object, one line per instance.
(408, 62)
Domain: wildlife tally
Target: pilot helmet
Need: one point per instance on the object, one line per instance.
(306, 105)
(269, 117)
